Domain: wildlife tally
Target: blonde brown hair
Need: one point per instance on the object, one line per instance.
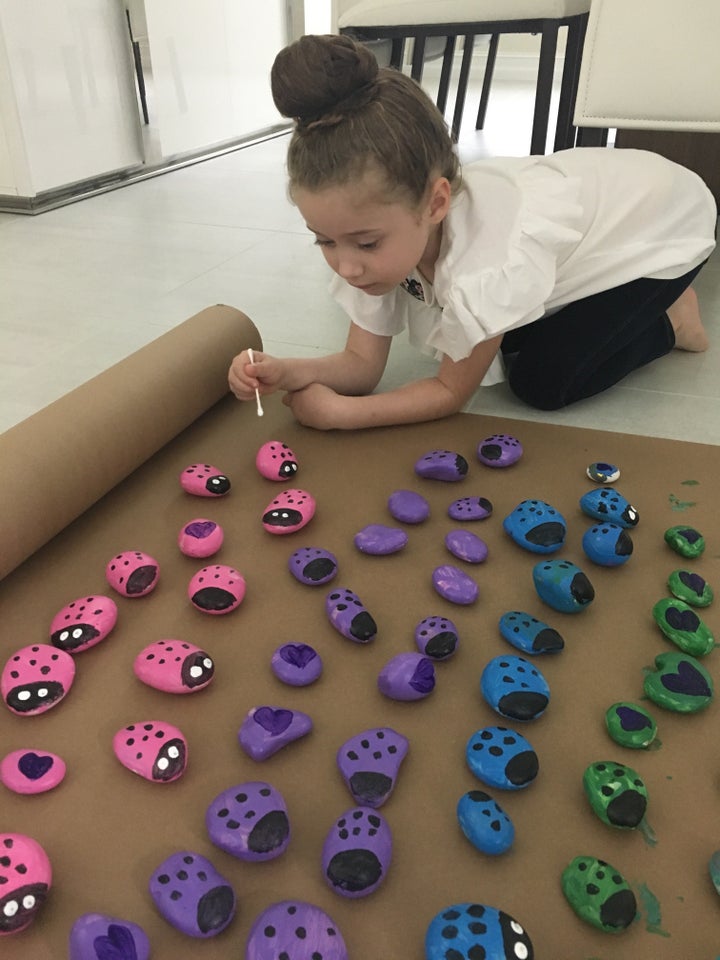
(352, 117)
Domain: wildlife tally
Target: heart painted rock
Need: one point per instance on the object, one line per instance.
(380, 540)
(295, 930)
(687, 541)
(200, 538)
(536, 526)
(484, 823)
(464, 931)
(276, 461)
(204, 480)
(454, 585)
(603, 472)
(25, 771)
(407, 676)
(679, 683)
(36, 678)
(217, 590)
(680, 624)
(153, 749)
(466, 546)
(265, 730)
(249, 821)
(607, 544)
(192, 895)
(501, 758)
(499, 450)
(617, 793)
(290, 511)
(357, 852)
(514, 688)
(25, 881)
(408, 506)
(609, 505)
(437, 637)
(132, 573)
(470, 509)
(690, 587)
(174, 666)
(442, 465)
(599, 894)
(97, 936)
(369, 763)
(630, 725)
(83, 623)
(313, 566)
(296, 664)
(528, 634)
(348, 615)
(562, 585)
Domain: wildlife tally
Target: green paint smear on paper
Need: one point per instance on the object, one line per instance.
(647, 833)
(676, 504)
(651, 907)
(689, 483)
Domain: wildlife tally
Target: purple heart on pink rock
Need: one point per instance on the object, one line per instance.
(274, 721)
(200, 529)
(33, 766)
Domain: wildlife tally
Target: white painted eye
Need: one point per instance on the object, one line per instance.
(29, 902)
(43, 692)
(196, 671)
(173, 753)
(521, 951)
(207, 663)
(77, 633)
(64, 635)
(11, 908)
(163, 763)
(24, 695)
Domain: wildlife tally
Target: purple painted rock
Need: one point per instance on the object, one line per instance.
(25, 881)
(348, 615)
(313, 566)
(83, 623)
(200, 538)
(36, 678)
(407, 676)
(28, 771)
(357, 852)
(174, 666)
(297, 664)
(291, 510)
(204, 480)
(155, 750)
(295, 930)
(454, 585)
(132, 573)
(407, 506)
(442, 465)
(192, 896)
(217, 589)
(370, 762)
(466, 546)
(379, 540)
(249, 821)
(436, 637)
(276, 461)
(470, 508)
(265, 730)
(499, 450)
(96, 936)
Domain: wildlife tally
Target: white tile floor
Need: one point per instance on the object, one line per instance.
(85, 285)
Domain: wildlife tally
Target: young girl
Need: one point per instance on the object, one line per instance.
(569, 270)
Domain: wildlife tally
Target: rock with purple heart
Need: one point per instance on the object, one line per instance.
(249, 821)
(97, 936)
(25, 771)
(200, 538)
(370, 762)
(295, 930)
(407, 676)
(192, 895)
(297, 664)
(357, 852)
(380, 540)
(681, 624)
(679, 683)
(265, 730)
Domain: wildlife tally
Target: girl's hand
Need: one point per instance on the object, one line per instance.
(244, 378)
(317, 406)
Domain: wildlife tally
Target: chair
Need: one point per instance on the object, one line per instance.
(420, 20)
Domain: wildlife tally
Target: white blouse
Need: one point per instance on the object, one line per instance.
(525, 236)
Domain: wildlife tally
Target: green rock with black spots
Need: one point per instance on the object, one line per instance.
(679, 683)
(630, 725)
(690, 587)
(679, 622)
(599, 894)
(687, 541)
(616, 793)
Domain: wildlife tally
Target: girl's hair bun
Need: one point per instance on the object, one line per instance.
(318, 79)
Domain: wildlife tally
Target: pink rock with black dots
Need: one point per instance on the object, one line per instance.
(83, 623)
(291, 510)
(174, 666)
(218, 589)
(25, 881)
(36, 678)
(204, 480)
(132, 573)
(153, 749)
(276, 461)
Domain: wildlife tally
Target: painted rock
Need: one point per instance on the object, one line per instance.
(468, 930)
(607, 544)
(379, 540)
(174, 666)
(470, 508)
(630, 725)
(348, 615)
(436, 637)
(442, 465)
(204, 480)
(370, 762)
(265, 730)
(536, 526)
(466, 546)
(155, 750)
(616, 793)
(499, 450)
(200, 538)
(454, 585)
(599, 894)
(680, 624)
(25, 881)
(528, 634)
(36, 678)
(501, 758)
(604, 504)
(249, 821)
(714, 868)
(679, 683)
(313, 566)
(296, 664)
(83, 623)
(562, 585)
(514, 688)
(690, 587)
(407, 676)
(276, 461)
(407, 506)
(26, 771)
(291, 510)
(295, 930)
(687, 541)
(192, 896)
(603, 472)
(97, 936)
(217, 590)
(484, 823)
(132, 573)
(357, 852)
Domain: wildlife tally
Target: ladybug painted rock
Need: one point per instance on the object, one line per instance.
(132, 573)
(616, 793)
(295, 930)
(36, 678)
(484, 823)
(29, 771)
(291, 510)
(465, 931)
(528, 634)
(249, 821)
(25, 881)
(370, 762)
(436, 637)
(204, 480)
(174, 666)
(348, 615)
(192, 895)
(537, 526)
(442, 465)
(97, 935)
(357, 852)
(514, 688)
(470, 508)
(499, 450)
(562, 585)
(83, 623)
(604, 504)
(154, 750)
(217, 590)
(276, 461)
(599, 894)
(200, 538)
(313, 566)
(607, 544)
(501, 758)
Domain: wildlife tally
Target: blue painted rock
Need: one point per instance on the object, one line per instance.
(470, 508)
(408, 506)
(499, 450)
(436, 637)
(25, 881)
(630, 725)
(690, 587)
(527, 633)
(454, 584)
(685, 540)
(97, 935)
(348, 615)
(153, 749)
(442, 465)
(174, 666)
(599, 894)
(192, 895)
(200, 538)
(501, 758)
(514, 688)
(30, 771)
(607, 544)
(407, 676)
(536, 526)
(603, 472)
(465, 931)
(36, 678)
(616, 793)
(562, 585)
(296, 664)
(679, 683)
(357, 852)
(276, 461)
(288, 512)
(680, 624)
(132, 573)
(249, 821)
(313, 566)
(265, 730)
(204, 480)
(604, 504)
(380, 540)
(83, 623)
(295, 930)
(466, 546)
(217, 590)
(484, 823)
(369, 763)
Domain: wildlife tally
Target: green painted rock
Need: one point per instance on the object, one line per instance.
(630, 725)
(679, 622)
(690, 587)
(679, 683)
(616, 793)
(687, 541)
(599, 894)
(714, 867)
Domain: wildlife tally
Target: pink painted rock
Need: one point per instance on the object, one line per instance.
(174, 666)
(276, 461)
(218, 589)
(204, 480)
(200, 538)
(97, 936)
(291, 510)
(265, 730)
(28, 771)
(132, 573)
(83, 623)
(153, 749)
(36, 678)
(25, 881)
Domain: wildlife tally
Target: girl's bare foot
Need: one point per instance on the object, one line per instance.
(684, 315)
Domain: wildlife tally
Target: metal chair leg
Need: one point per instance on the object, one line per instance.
(543, 91)
(487, 80)
(564, 129)
(468, 43)
(447, 63)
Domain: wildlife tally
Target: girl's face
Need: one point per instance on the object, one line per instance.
(374, 244)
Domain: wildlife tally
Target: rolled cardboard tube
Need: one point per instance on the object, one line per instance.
(61, 460)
